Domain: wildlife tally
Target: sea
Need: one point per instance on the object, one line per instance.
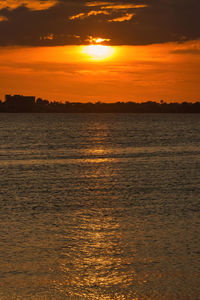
(99, 206)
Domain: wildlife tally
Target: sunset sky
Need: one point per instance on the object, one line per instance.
(76, 50)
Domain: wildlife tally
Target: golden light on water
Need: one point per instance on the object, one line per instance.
(98, 52)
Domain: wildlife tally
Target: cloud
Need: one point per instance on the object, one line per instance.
(98, 12)
(3, 18)
(97, 3)
(108, 8)
(124, 22)
(122, 6)
(96, 40)
(78, 16)
(126, 17)
(31, 4)
(190, 48)
(114, 5)
(90, 13)
(47, 37)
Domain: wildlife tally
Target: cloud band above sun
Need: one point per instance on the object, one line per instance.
(119, 22)
(115, 12)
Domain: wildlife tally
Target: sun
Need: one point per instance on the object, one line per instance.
(98, 52)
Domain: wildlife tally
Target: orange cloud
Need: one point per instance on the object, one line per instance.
(96, 40)
(123, 6)
(32, 5)
(90, 13)
(97, 12)
(107, 8)
(3, 18)
(78, 16)
(97, 3)
(112, 5)
(126, 17)
(47, 37)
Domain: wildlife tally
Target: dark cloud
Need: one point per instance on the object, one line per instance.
(63, 22)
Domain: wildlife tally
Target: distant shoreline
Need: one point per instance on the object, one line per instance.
(27, 104)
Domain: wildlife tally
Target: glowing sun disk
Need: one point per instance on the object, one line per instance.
(98, 52)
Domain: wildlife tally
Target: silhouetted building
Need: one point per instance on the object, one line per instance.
(19, 102)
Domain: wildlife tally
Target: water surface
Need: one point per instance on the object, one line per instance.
(99, 206)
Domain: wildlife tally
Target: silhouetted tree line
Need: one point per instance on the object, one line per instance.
(44, 106)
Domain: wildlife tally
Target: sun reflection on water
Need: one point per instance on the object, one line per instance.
(93, 268)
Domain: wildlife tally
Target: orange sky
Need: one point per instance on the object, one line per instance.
(168, 71)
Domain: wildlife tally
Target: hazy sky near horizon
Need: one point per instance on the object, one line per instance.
(151, 49)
